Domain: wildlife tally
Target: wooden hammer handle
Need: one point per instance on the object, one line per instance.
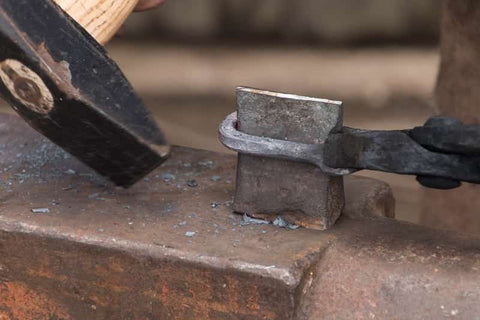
(101, 18)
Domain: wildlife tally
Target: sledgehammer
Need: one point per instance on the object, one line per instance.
(61, 81)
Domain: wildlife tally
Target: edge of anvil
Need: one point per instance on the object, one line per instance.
(283, 274)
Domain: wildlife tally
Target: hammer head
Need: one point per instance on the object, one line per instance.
(61, 81)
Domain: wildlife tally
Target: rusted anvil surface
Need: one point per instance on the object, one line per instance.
(171, 248)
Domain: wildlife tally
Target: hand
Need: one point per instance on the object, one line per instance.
(148, 4)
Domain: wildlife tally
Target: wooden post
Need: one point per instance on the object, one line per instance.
(457, 95)
(458, 86)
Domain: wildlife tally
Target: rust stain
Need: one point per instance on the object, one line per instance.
(18, 302)
(102, 282)
(252, 301)
(46, 275)
(232, 289)
(200, 298)
(60, 72)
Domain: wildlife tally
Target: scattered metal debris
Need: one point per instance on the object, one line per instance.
(180, 224)
(70, 171)
(278, 222)
(282, 223)
(41, 210)
(207, 163)
(96, 196)
(190, 234)
(167, 177)
(192, 183)
(228, 203)
(214, 204)
(248, 221)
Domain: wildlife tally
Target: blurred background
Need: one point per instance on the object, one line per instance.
(378, 56)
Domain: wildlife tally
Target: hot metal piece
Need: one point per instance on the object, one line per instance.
(299, 192)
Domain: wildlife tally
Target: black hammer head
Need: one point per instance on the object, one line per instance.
(61, 81)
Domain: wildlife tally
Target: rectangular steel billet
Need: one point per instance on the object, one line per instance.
(300, 193)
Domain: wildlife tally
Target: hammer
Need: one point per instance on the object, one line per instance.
(61, 81)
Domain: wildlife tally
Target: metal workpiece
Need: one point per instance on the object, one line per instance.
(267, 188)
(74, 247)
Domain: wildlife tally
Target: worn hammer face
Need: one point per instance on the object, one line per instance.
(300, 193)
(61, 81)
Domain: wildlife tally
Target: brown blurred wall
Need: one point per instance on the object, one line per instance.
(319, 21)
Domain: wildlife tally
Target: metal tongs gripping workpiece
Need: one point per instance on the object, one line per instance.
(441, 153)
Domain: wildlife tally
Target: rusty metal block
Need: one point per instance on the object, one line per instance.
(74, 247)
(301, 193)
